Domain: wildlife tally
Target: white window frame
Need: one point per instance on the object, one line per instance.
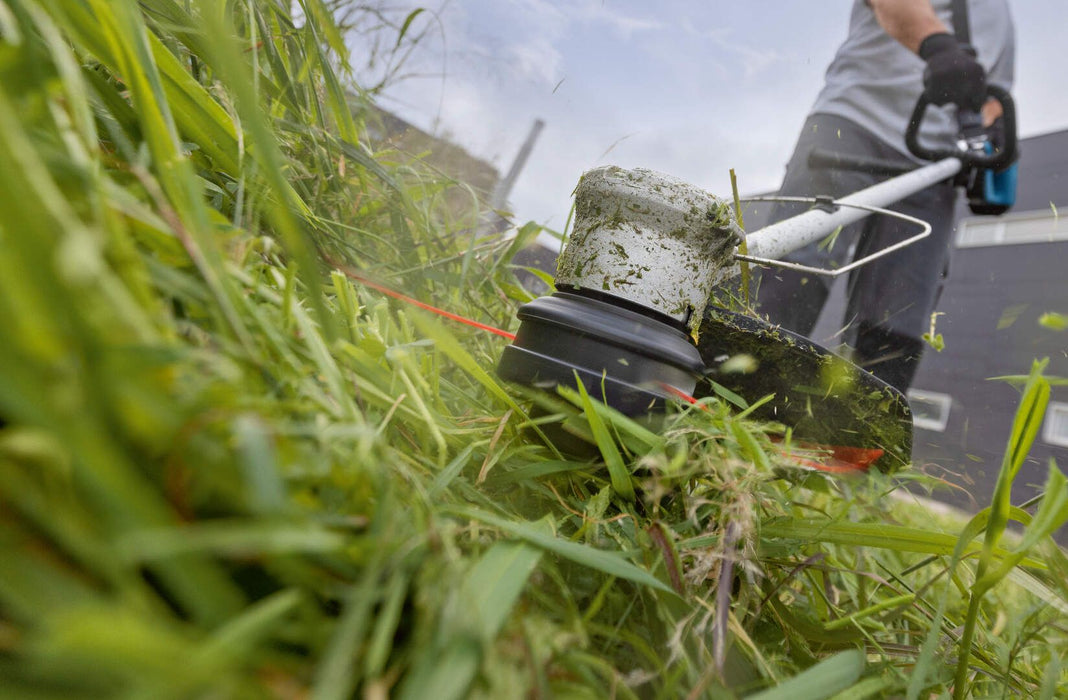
(1055, 427)
(1002, 224)
(942, 402)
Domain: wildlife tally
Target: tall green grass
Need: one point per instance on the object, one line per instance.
(230, 470)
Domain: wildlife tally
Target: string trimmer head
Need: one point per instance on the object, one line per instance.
(634, 286)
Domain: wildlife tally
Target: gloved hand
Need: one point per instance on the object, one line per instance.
(952, 73)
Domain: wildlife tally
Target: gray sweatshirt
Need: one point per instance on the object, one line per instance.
(874, 81)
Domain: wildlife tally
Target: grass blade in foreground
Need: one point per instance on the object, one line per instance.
(1025, 428)
(823, 680)
(611, 564)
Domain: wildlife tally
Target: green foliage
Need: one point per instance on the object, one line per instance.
(1053, 321)
(228, 468)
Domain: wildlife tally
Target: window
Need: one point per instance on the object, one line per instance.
(1055, 431)
(1042, 226)
(930, 410)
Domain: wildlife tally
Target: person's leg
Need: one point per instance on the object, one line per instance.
(891, 299)
(794, 299)
(890, 356)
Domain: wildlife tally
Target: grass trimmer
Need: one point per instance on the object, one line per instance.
(634, 320)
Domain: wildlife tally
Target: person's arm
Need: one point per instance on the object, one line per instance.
(952, 74)
(908, 21)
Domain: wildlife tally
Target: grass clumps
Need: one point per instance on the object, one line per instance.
(229, 469)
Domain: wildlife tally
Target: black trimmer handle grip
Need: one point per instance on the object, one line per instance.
(994, 161)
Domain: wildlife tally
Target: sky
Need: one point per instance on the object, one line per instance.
(688, 88)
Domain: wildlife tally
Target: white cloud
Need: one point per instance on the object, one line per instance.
(542, 13)
(623, 26)
(535, 60)
(735, 51)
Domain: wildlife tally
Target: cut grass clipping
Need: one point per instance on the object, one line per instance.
(228, 469)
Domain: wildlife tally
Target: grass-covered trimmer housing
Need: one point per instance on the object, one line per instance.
(634, 285)
(632, 282)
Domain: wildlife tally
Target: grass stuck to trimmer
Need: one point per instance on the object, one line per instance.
(228, 469)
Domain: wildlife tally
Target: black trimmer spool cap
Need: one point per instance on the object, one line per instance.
(622, 356)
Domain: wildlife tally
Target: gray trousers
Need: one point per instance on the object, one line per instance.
(889, 300)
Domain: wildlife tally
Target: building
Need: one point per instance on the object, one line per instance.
(470, 181)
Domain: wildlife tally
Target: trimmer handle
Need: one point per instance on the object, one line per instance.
(993, 161)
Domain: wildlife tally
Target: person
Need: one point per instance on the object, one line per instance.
(895, 50)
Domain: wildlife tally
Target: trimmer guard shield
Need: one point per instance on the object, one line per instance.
(825, 398)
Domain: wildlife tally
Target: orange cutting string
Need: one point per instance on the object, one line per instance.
(415, 302)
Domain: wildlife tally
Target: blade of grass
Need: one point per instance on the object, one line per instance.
(881, 535)
(599, 560)
(606, 444)
(227, 59)
(488, 594)
(236, 538)
(925, 662)
(830, 676)
(1025, 428)
(239, 637)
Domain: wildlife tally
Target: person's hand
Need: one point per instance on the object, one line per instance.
(991, 111)
(952, 74)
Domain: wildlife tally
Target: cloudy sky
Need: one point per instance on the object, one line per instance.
(685, 87)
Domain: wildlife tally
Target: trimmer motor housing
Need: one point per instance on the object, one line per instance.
(633, 282)
(631, 320)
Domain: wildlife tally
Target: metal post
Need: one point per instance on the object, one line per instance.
(499, 198)
(504, 188)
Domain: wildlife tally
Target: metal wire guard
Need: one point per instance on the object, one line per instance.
(770, 262)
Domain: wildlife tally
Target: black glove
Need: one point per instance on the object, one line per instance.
(952, 73)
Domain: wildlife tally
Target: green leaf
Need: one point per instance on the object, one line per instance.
(870, 687)
(1048, 691)
(935, 341)
(447, 343)
(1053, 321)
(725, 393)
(617, 470)
(407, 24)
(1052, 514)
(239, 637)
(448, 677)
(599, 560)
(487, 596)
(387, 621)
(1025, 428)
(266, 491)
(634, 436)
(882, 535)
(830, 676)
(335, 675)
(493, 585)
(925, 663)
(228, 538)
